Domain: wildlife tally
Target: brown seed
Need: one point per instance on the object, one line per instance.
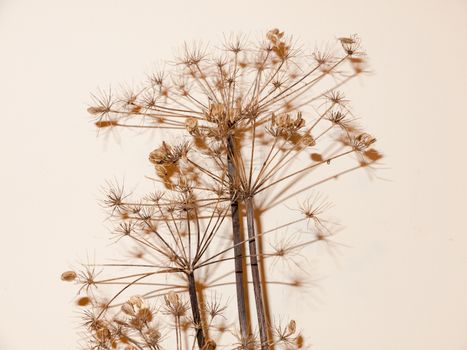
(373, 154)
(68, 276)
(97, 110)
(317, 157)
(105, 123)
(83, 301)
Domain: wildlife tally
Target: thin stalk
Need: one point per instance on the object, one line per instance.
(262, 271)
(255, 273)
(237, 240)
(195, 310)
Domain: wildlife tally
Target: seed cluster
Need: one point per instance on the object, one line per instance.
(254, 121)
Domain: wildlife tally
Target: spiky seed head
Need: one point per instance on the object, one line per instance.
(145, 315)
(350, 44)
(152, 336)
(172, 298)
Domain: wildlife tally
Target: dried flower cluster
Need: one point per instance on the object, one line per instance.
(254, 121)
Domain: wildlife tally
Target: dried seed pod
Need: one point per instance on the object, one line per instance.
(105, 123)
(153, 336)
(68, 276)
(363, 141)
(103, 333)
(83, 301)
(191, 125)
(292, 327)
(128, 309)
(137, 301)
(160, 155)
(145, 315)
(172, 298)
(274, 35)
(350, 44)
(167, 155)
(98, 110)
(308, 140)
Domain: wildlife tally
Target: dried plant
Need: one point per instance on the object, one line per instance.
(252, 121)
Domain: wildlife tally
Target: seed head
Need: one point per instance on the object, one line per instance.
(350, 44)
(363, 141)
(168, 155)
(153, 337)
(191, 125)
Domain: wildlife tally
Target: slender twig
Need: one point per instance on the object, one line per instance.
(249, 206)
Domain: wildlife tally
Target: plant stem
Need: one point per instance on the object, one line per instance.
(262, 271)
(195, 309)
(262, 325)
(238, 256)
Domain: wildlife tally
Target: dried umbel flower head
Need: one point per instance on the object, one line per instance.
(286, 126)
(153, 336)
(350, 44)
(166, 160)
(166, 155)
(251, 121)
(174, 305)
(279, 47)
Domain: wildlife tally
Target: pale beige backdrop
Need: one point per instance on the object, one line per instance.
(401, 282)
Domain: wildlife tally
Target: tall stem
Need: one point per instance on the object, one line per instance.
(262, 325)
(195, 309)
(262, 271)
(238, 256)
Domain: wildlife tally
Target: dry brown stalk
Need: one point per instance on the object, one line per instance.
(257, 120)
